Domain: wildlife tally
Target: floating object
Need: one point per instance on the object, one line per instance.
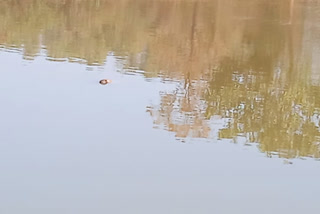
(287, 162)
(105, 81)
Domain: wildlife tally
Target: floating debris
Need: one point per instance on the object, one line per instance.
(287, 162)
(105, 81)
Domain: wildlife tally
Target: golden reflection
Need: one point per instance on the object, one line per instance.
(243, 68)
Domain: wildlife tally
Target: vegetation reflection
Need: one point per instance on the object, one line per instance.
(243, 69)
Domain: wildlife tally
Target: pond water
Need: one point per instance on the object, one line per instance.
(214, 106)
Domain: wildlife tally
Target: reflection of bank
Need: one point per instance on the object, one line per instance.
(279, 110)
(312, 40)
(262, 92)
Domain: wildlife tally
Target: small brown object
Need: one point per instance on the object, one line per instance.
(105, 81)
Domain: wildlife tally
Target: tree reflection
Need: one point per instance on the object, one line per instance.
(248, 66)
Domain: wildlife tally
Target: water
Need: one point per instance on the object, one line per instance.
(214, 106)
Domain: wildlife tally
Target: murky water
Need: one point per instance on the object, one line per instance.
(214, 106)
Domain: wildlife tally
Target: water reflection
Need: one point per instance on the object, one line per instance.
(243, 69)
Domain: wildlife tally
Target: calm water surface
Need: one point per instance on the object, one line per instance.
(214, 106)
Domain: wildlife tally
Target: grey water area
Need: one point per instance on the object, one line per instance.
(70, 145)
